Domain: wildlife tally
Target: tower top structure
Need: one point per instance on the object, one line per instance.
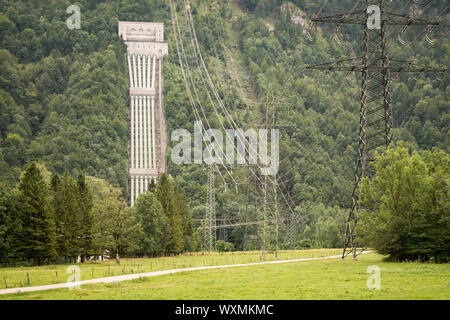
(144, 37)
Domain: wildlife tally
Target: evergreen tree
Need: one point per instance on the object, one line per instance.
(165, 195)
(155, 225)
(56, 189)
(14, 208)
(68, 217)
(182, 210)
(55, 183)
(38, 240)
(152, 186)
(5, 222)
(85, 210)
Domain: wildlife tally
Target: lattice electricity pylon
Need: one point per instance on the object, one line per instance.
(293, 224)
(376, 120)
(210, 217)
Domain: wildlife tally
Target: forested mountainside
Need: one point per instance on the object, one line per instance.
(64, 94)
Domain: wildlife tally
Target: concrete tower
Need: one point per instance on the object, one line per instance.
(147, 144)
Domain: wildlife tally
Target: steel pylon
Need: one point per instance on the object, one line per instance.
(375, 115)
(210, 216)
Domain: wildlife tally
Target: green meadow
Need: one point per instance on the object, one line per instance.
(320, 279)
(51, 274)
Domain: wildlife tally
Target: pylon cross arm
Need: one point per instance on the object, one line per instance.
(355, 17)
(406, 20)
(389, 18)
(357, 65)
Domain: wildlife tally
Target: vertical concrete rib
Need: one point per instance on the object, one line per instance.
(149, 133)
(145, 183)
(144, 71)
(139, 71)
(141, 137)
(131, 190)
(130, 72)
(153, 133)
(141, 133)
(149, 66)
(162, 123)
(144, 120)
(136, 131)
(154, 72)
(134, 71)
(136, 179)
(132, 164)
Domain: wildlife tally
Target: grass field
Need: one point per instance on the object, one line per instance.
(323, 279)
(17, 277)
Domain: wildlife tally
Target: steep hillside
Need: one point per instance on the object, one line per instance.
(63, 98)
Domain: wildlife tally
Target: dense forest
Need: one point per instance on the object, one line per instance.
(64, 98)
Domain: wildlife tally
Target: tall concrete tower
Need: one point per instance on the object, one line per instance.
(147, 144)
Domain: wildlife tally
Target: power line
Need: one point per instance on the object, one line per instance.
(207, 83)
(211, 85)
(179, 43)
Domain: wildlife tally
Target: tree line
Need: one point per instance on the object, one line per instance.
(50, 218)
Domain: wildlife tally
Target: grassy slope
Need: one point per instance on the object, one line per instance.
(329, 279)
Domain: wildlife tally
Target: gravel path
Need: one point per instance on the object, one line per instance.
(150, 274)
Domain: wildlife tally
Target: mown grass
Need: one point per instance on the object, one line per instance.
(321, 279)
(17, 277)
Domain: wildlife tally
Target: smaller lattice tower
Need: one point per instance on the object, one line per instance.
(210, 214)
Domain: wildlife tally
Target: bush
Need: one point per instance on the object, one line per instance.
(408, 206)
(223, 246)
(304, 244)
